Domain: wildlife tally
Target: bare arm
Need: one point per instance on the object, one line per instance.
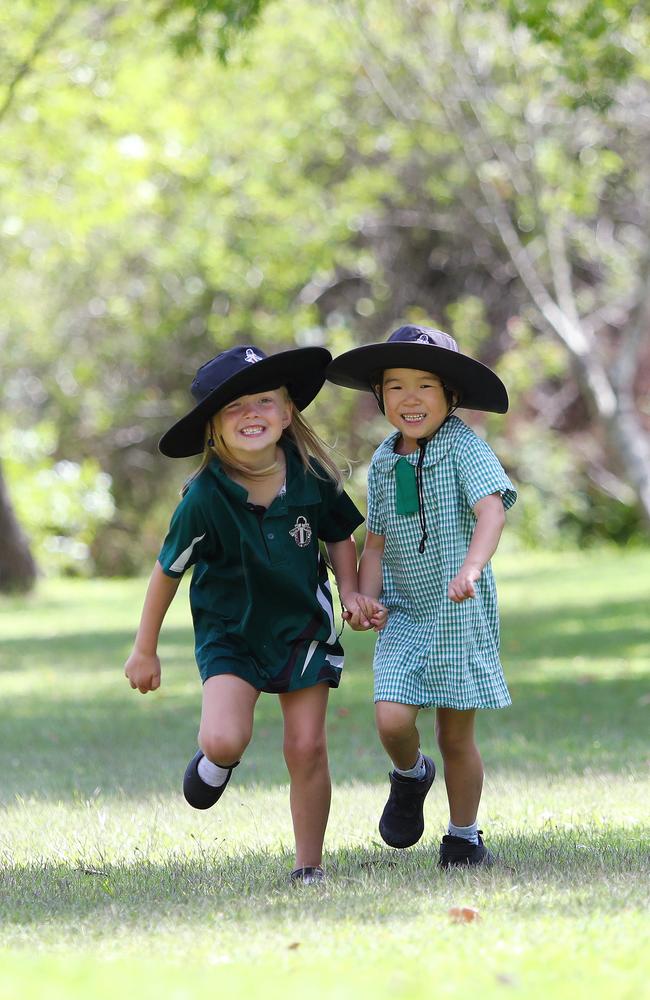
(370, 575)
(143, 666)
(360, 610)
(490, 519)
(369, 612)
(343, 557)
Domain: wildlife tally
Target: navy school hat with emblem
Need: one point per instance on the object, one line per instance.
(239, 372)
(427, 350)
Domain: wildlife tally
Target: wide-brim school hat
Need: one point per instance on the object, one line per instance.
(239, 372)
(427, 350)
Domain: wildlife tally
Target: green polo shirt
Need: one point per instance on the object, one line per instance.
(260, 595)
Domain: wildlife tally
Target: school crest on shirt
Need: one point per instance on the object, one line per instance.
(301, 532)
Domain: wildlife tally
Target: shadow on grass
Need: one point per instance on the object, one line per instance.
(88, 650)
(63, 748)
(594, 632)
(552, 870)
(61, 738)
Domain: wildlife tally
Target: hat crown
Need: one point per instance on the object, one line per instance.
(423, 335)
(218, 370)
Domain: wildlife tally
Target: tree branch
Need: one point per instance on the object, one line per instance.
(38, 47)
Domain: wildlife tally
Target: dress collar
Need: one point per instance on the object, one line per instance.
(386, 458)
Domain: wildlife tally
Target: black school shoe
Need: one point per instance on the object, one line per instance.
(308, 876)
(456, 852)
(402, 821)
(197, 792)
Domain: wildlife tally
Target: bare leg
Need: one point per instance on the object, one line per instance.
(226, 718)
(398, 732)
(305, 751)
(462, 763)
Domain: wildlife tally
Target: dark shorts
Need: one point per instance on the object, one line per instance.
(221, 657)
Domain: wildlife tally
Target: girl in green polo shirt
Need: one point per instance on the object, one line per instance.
(249, 523)
(437, 497)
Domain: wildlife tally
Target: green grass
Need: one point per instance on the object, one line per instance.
(110, 884)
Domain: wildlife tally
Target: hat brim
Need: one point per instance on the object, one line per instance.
(302, 371)
(478, 386)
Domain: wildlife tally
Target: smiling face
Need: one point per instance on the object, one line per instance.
(415, 403)
(252, 425)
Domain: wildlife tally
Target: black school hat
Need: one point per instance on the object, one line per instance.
(239, 372)
(428, 350)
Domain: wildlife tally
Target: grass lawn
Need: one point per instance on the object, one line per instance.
(111, 885)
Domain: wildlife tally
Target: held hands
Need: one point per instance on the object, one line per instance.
(362, 612)
(462, 585)
(142, 671)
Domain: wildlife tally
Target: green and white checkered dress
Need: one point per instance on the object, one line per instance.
(432, 650)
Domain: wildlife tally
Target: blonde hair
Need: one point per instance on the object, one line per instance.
(308, 444)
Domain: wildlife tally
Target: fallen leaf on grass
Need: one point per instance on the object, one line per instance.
(464, 914)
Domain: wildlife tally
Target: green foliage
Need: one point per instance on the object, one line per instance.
(469, 324)
(207, 25)
(156, 209)
(586, 40)
(61, 505)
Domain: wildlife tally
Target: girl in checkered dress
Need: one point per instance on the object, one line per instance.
(437, 497)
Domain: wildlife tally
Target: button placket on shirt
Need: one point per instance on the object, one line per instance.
(273, 529)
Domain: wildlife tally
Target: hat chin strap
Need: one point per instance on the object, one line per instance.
(379, 396)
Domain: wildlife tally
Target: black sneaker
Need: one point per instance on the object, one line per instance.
(308, 876)
(402, 821)
(456, 851)
(199, 794)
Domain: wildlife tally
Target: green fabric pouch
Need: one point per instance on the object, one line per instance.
(406, 491)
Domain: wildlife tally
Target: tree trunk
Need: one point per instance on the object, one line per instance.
(17, 567)
(629, 442)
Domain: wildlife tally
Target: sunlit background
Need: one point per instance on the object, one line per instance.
(317, 173)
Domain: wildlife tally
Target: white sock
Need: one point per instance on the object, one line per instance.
(212, 774)
(418, 771)
(466, 832)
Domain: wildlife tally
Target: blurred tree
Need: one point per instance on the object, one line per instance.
(347, 169)
(17, 566)
(207, 25)
(44, 45)
(548, 118)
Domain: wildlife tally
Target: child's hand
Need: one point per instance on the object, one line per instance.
(462, 586)
(378, 614)
(364, 612)
(142, 671)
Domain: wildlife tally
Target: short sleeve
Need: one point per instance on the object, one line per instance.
(376, 518)
(188, 538)
(338, 515)
(481, 474)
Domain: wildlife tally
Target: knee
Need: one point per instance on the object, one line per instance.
(454, 744)
(223, 747)
(393, 724)
(305, 751)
